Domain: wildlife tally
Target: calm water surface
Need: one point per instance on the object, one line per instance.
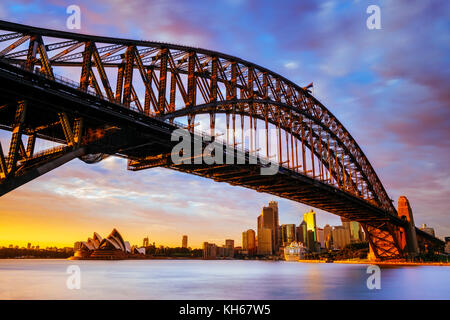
(196, 279)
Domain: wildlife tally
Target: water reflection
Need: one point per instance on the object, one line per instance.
(191, 279)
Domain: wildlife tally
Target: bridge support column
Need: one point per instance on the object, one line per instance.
(409, 239)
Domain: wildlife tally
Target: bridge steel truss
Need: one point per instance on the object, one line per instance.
(320, 162)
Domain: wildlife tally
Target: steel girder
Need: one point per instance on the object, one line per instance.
(201, 82)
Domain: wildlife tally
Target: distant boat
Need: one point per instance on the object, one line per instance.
(294, 252)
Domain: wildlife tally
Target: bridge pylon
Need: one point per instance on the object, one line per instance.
(409, 241)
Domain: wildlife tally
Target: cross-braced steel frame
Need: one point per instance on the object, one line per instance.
(165, 82)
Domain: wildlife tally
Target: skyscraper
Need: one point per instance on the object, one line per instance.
(266, 221)
(327, 235)
(145, 242)
(244, 241)
(321, 237)
(302, 232)
(184, 241)
(251, 242)
(311, 229)
(277, 242)
(288, 234)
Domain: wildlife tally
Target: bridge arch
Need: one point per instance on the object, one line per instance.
(156, 83)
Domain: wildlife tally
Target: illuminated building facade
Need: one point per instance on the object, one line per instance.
(288, 234)
(184, 241)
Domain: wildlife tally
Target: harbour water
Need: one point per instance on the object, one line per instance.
(217, 279)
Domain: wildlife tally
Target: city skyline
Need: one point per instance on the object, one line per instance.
(105, 195)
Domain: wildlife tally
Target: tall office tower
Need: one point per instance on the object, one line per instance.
(288, 234)
(299, 234)
(327, 235)
(244, 241)
(251, 242)
(277, 243)
(311, 229)
(184, 241)
(145, 242)
(303, 233)
(265, 242)
(266, 220)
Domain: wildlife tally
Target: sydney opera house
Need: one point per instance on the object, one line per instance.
(112, 247)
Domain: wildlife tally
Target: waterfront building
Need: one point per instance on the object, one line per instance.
(327, 234)
(294, 252)
(111, 248)
(427, 229)
(77, 246)
(184, 241)
(321, 237)
(288, 234)
(229, 248)
(341, 237)
(209, 250)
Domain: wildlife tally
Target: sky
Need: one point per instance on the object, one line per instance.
(389, 87)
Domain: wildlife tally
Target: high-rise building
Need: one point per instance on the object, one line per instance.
(311, 230)
(302, 233)
(321, 237)
(265, 241)
(288, 234)
(427, 229)
(145, 242)
(341, 237)
(267, 220)
(244, 241)
(29, 245)
(277, 242)
(184, 241)
(251, 242)
(327, 234)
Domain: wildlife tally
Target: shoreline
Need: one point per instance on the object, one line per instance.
(381, 263)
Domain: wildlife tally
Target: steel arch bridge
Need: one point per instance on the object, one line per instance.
(128, 95)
